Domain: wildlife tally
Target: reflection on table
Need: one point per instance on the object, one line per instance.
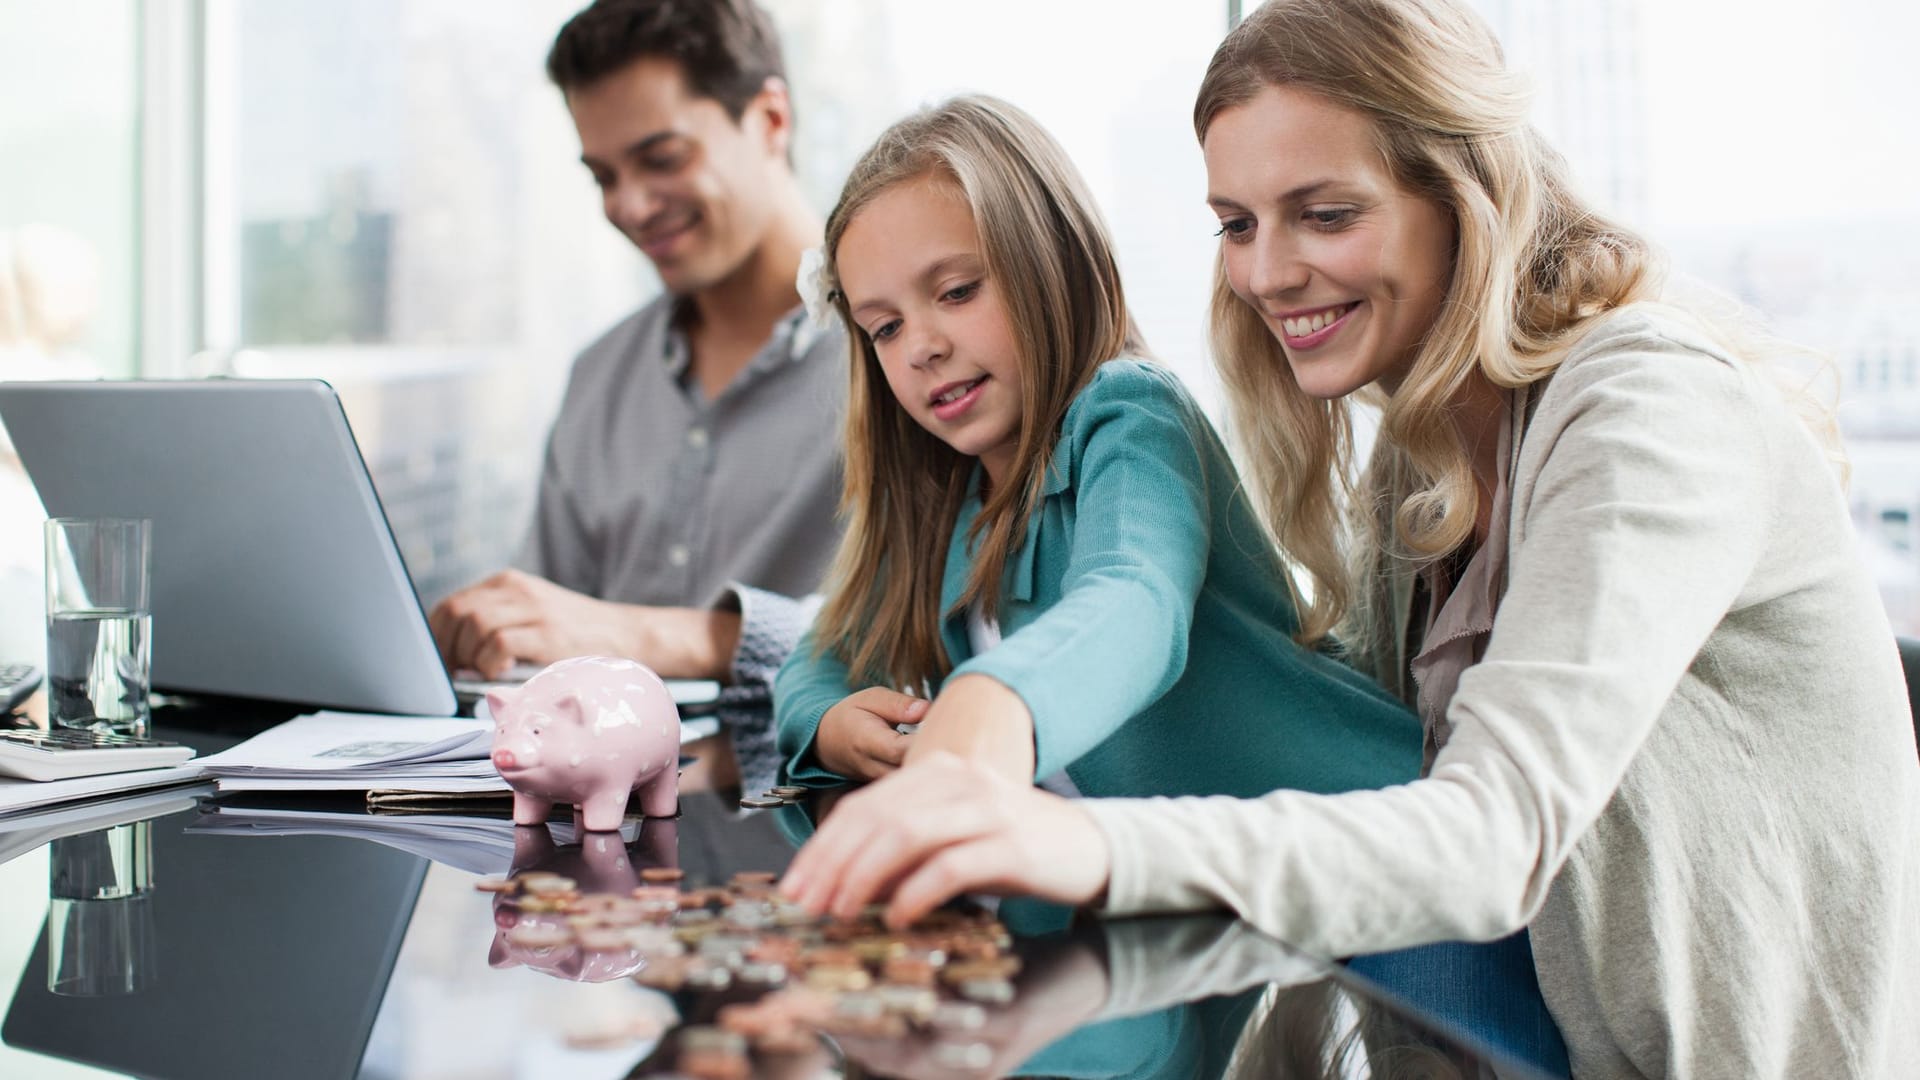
(311, 938)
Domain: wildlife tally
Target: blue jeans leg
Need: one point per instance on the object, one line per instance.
(1489, 990)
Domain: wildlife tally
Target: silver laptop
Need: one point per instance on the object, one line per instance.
(274, 572)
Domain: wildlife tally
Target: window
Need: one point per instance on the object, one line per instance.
(1114, 82)
(393, 203)
(71, 137)
(1794, 195)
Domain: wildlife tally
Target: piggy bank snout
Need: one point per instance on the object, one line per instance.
(507, 757)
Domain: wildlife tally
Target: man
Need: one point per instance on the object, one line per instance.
(692, 474)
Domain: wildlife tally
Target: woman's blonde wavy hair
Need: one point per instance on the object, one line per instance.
(1533, 265)
(1051, 263)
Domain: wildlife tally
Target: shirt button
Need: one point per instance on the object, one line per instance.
(697, 438)
(678, 554)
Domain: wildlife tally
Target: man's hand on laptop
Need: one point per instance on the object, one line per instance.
(516, 617)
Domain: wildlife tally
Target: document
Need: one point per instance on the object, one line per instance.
(327, 745)
(341, 751)
(23, 796)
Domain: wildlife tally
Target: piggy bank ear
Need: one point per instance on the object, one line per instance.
(569, 707)
(498, 700)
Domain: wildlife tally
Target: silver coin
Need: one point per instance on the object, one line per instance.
(753, 803)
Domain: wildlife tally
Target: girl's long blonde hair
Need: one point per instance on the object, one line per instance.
(1533, 266)
(1051, 263)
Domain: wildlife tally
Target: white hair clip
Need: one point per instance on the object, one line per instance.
(815, 287)
(815, 291)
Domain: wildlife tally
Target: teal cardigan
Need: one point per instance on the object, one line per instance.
(1146, 625)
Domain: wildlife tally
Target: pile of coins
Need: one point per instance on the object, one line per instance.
(804, 974)
(776, 796)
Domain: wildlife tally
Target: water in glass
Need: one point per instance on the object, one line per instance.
(98, 665)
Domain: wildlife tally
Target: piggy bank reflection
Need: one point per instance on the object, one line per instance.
(601, 863)
(588, 732)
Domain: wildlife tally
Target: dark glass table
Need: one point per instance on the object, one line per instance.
(173, 934)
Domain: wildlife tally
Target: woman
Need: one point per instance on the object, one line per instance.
(1666, 725)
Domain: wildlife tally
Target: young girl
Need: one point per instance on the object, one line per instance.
(1598, 548)
(1042, 527)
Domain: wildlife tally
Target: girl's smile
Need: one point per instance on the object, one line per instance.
(949, 402)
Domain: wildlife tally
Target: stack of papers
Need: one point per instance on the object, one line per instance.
(24, 796)
(336, 751)
(340, 751)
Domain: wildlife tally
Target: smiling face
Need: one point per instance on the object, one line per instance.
(915, 279)
(677, 175)
(1347, 270)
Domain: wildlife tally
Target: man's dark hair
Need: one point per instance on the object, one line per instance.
(727, 48)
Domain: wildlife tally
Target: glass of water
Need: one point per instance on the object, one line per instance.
(98, 623)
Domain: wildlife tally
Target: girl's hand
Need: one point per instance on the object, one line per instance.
(940, 827)
(856, 737)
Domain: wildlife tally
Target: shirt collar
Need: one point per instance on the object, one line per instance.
(793, 337)
(1021, 562)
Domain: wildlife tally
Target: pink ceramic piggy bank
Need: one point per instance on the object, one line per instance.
(588, 731)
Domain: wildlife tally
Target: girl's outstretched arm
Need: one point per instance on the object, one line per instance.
(1140, 504)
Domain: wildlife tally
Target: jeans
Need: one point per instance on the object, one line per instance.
(1487, 990)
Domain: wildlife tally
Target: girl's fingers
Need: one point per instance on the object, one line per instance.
(890, 748)
(905, 835)
(891, 707)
